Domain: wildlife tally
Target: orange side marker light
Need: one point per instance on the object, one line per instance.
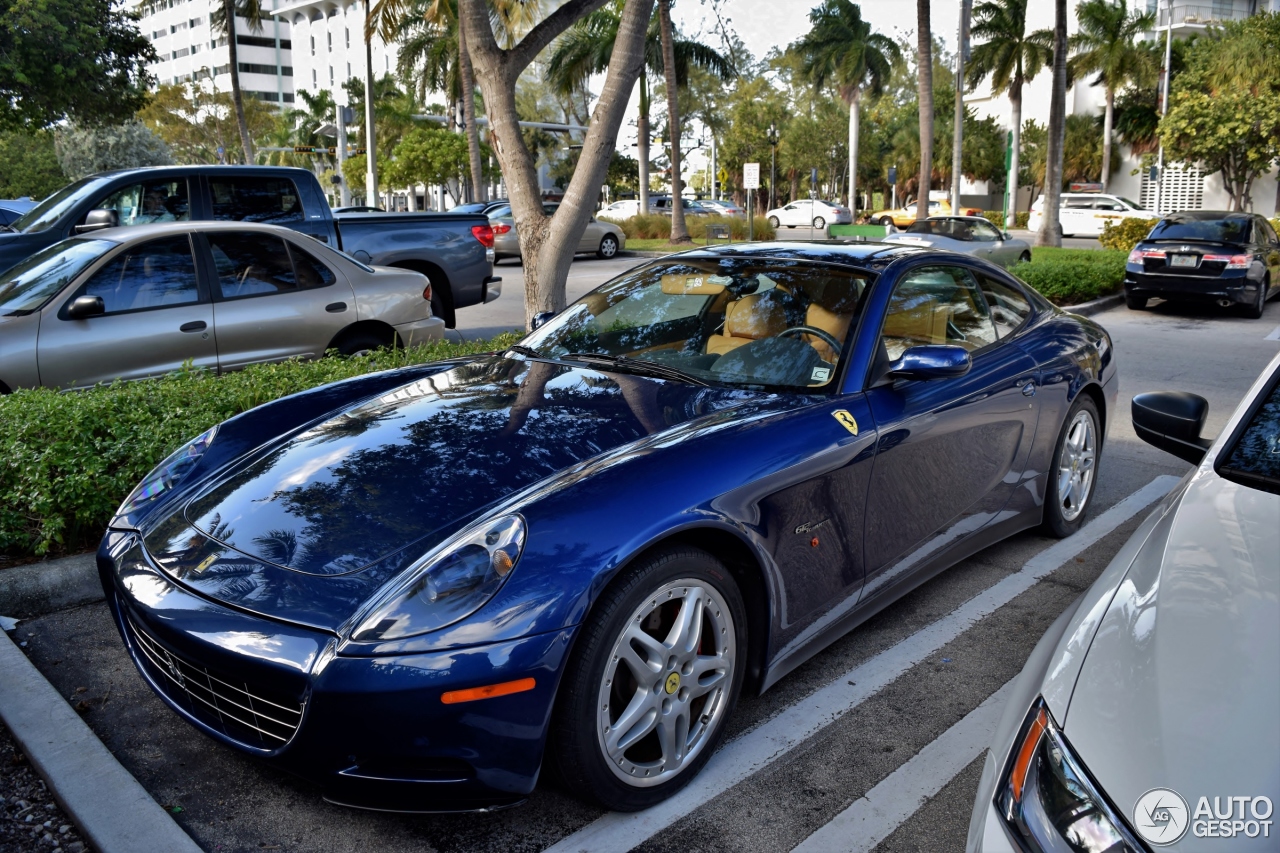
(506, 688)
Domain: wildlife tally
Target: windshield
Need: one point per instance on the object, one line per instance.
(1132, 204)
(758, 322)
(1254, 457)
(29, 285)
(45, 214)
(955, 229)
(1233, 229)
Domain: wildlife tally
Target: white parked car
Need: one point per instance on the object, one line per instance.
(1084, 214)
(804, 213)
(1146, 717)
(620, 210)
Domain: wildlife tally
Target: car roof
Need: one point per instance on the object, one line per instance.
(133, 233)
(866, 255)
(157, 171)
(1202, 215)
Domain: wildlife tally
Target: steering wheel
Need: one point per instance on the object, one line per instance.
(826, 337)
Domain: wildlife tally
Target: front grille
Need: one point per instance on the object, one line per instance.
(248, 715)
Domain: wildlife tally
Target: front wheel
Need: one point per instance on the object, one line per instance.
(1074, 469)
(819, 222)
(773, 222)
(608, 247)
(653, 679)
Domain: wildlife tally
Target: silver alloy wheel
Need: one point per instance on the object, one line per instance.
(666, 683)
(1076, 465)
(608, 246)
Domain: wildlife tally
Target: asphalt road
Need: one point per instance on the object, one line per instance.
(909, 684)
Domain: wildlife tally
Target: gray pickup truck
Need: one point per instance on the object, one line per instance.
(454, 251)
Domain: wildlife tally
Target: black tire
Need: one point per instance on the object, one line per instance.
(886, 220)
(1254, 311)
(1135, 303)
(608, 247)
(364, 343)
(1061, 520)
(579, 732)
(819, 222)
(773, 222)
(1024, 258)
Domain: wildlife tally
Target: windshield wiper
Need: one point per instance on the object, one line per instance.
(639, 365)
(524, 350)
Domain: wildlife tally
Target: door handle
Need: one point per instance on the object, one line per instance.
(1029, 390)
(336, 307)
(193, 326)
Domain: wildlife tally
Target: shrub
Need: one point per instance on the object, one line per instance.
(1275, 223)
(1127, 234)
(1021, 218)
(657, 226)
(995, 217)
(67, 460)
(1072, 276)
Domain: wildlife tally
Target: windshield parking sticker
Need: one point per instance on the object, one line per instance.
(821, 374)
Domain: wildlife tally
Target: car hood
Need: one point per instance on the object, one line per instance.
(334, 510)
(1180, 687)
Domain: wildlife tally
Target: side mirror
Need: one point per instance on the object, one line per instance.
(540, 319)
(1171, 421)
(931, 362)
(86, 306)
(98, 220)
(1005, 235)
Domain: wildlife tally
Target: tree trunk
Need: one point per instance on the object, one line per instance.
(1015, 165)
(854, 132)
(957, 143)
(237, 98)
(679, 232)
(548, 243)
(1108, 116)
(370, 132)
(469, 118)
(1050, 234)
(924, 58)
(642, 141)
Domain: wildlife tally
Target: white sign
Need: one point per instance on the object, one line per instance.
(751, 176)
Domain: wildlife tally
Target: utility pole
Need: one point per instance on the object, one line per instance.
(1164, 99)
(370, 149)
(773, 164)
(962, 54)
(344, 190)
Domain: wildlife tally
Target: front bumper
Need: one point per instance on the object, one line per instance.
(371, 732)
(421, 331)
(1238, 288)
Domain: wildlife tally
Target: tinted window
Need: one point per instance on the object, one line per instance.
(1254, 457)
(1231, 229)
(156, 274)
(49, 211)
(27, 286)
(310, 272)
(151, 201)
(1267, 231)
(251, 264)
(985, 231)
(246, 199)
(936, 305)
(1009, 308)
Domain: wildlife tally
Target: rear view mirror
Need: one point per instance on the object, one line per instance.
(98, 220)
(931, 362)
(540, 319)
(86, 306)
(1171, 421)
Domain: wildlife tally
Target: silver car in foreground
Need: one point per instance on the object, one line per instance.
(968, 235)
(129, 303)
(1146, 718)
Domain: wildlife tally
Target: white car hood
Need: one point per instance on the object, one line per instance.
(1180, 687)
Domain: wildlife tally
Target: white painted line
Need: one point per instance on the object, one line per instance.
(617, 832)
(1274, 336)
(898, 796)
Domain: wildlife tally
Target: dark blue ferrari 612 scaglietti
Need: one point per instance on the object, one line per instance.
(402, 586)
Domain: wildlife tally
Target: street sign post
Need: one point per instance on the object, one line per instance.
(750, 182)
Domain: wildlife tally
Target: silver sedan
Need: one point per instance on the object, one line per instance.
(1146, 716)
(130, 303)
(603, 239)
(969, 235)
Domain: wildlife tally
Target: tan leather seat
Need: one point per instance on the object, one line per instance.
(923, 323)
(832, 310)
(750, 318)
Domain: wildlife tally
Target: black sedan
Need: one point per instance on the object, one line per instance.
(1206, 256)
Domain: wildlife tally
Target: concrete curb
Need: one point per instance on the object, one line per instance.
(1096, 306)
(107, 804)
(40, 588)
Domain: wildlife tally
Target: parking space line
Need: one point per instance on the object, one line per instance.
(873, 818)
(617, 832)
(1274, 336)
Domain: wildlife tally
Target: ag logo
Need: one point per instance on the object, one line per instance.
(1161, 816)
(846, 420)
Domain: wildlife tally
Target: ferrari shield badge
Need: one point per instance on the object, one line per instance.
(846, 420)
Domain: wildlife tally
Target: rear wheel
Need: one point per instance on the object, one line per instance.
(1137, 303)
(1074, 469)
(1254, 311)
(363, 343)
(608, 247)
(886, 221)
(653, 679)
(773, 222)
(819, 222)
(1024, 258)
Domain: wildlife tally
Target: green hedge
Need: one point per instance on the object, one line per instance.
(67, 460)
(1127, 234)
(996, 217)
(657, 226)
(1072, 276)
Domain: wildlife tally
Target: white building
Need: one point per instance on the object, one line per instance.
(329, 49)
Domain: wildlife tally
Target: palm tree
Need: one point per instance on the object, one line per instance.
(586, 47)
(840, 48)
(1106, 45)
(1050, 233)
(222, 22)
(1010, 56)
(924, 72)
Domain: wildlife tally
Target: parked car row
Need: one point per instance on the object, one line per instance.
(627, 208)
(603, 239)
(969, 235)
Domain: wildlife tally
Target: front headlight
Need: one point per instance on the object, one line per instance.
(168, 473)
(1048, 800)
(449, 584)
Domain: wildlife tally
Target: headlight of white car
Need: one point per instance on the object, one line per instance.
(450, 583)
(1048, 800)
(168, 473)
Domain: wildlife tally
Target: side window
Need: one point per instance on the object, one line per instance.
(251, 264)
(152, 201)
(1106, 204)
(985, 231)
(1009, 308)
(311, 273)
(153, 275)
(936, 305)
(245, 199)
(1268, 232)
